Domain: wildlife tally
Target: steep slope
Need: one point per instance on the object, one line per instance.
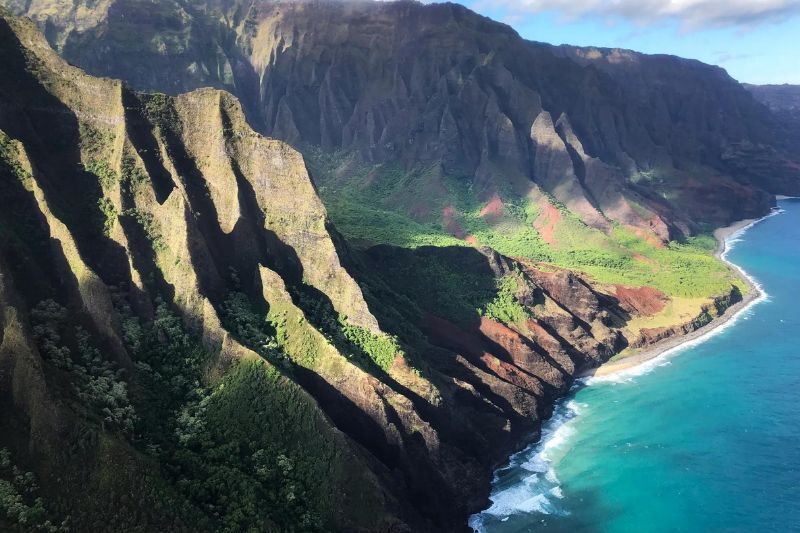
(784, 102)
(107, 395)
(187, 344)
(431, 125)
(613, 135)
(777, 97)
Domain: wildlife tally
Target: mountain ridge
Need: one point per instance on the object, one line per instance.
(377, 385)
(365, 101)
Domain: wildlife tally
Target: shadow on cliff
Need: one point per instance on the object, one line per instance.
(52, 136)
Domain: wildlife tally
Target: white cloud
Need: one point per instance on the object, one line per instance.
(692, 14)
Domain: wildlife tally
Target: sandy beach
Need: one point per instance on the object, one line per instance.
(721, 235)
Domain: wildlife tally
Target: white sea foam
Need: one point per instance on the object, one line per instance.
(628, 374)
(539, 491)
(534, 493)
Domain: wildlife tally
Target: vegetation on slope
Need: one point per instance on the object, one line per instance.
(505, 307)
(21, 508)
(230, 447)
(370, 205)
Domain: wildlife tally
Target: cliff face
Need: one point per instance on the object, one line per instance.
(186, 343)
(784, 102)
(777, 97)
(412, 85)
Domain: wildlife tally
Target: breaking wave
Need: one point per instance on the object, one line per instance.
(528, 483)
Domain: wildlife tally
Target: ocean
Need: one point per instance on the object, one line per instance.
(703, 439)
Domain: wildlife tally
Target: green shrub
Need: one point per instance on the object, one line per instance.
(505, 307)
(251, 328)
(245, 451)
(381, 348)
(96, 381)
(103, 171)
(109, 214)
(150, 226)
(19, 503)
(132, 174)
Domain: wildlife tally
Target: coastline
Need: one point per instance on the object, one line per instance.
(722, 235)
(554, 429)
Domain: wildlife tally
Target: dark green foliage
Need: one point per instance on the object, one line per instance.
(251, 456)
(103, 171)
(100, 384)
(92, 140)
(48, 318)
(161, 111)
(703, 319)
(150, 226)
(131, 174)
(231, 449)
(170, 368)
(96, 381)
(451, 283)
(20, 506)
(381, 349)
(109, 214)
(358, 344)
(8, 155)
(248, 326)
(505, 307)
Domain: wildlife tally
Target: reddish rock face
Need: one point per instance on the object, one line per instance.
(546, 223)
(451, 224)
(645, 301)
(492, 211)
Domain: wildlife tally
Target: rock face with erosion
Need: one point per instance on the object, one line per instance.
(187, 344)
(655, 143)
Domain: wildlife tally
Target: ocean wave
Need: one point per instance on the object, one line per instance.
(540, 490)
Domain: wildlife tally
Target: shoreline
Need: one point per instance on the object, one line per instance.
(722, 235)
(563, 410)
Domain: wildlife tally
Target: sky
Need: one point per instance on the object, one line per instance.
(756, 41)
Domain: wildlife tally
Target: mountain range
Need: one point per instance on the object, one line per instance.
(313, 266)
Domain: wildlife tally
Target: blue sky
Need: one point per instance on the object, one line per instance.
(756, 41)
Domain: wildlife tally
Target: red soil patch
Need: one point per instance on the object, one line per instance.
(450, 223)
(525, 352)
(508, 339)
(546, 223)
(644, 301)
(472, 239)
(493, 210)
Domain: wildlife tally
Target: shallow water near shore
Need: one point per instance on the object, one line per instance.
(704, 439)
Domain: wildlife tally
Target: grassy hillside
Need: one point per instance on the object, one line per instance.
(372, 205)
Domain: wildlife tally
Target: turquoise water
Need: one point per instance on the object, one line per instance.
(704, 439)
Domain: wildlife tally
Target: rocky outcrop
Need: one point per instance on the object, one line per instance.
(715, 309)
